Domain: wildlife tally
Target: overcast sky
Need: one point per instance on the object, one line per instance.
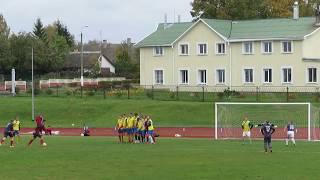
(115, 19)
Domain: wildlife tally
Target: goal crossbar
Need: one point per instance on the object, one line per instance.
(308, 104)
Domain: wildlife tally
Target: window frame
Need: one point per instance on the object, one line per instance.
(155, 54)
(282, 75)
(244, 75)
(217, 76)
(282, 47)
(180, 49)
(263, 47)
(155, 76)
(198, 49)
(180, 76)
(264, 77)
(244, 47)
(217, 48)
(199, 77)
(308, 77)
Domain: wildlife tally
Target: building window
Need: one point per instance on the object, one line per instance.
(158, 74)
(220, 48)
(220, 74)
(247, 48)
(184, 49)
(287, 47)
(248, 75)
(267, 75)
(286, 75)
(184, 78)
(202, 75)
(158, 51)
(312, 75)
(267, 47)
(202, 49)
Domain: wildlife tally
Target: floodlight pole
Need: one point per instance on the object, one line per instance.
(32, 85)
(81, 59)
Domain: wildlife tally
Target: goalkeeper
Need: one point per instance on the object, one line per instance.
(246, 129)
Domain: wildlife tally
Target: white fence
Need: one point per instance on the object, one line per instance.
(86, 82)
(22, 85)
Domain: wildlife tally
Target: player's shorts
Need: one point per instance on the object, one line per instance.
(267, 139)
(150, 132)
(135, 130)
(120, 130)
(37, 134)
(130, 130)
(246, 134)
(7, 133)
(290, 134)
(16, 133)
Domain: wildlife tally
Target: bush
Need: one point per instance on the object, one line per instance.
(118, 93)
(68, 92)
(149, 93)
(36, 91)
(172, 95)
(90, 93)
(220, 95)
(49, 91)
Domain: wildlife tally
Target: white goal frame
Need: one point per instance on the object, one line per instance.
(250, 103)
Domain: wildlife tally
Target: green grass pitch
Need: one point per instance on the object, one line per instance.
(103, 158)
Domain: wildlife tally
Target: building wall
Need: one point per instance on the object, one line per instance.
(107, 64)
(311, 46)
(171, 62)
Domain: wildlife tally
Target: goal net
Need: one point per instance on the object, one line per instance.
(229, 117)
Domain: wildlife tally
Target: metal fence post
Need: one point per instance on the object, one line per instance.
(202, 93)
(177, 93)
(257, 93)
(152, 92)
(104, 93)
(287, 93)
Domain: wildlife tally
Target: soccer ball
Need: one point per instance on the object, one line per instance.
(44, 144)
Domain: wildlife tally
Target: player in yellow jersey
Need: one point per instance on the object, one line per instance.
(246, 126)
(150, 132)
(119, 128)
(141, 129)
(130, 126)
(16, 127)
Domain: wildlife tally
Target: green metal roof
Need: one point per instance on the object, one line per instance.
(281, 28)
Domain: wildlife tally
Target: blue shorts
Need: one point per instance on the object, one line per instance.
(135, 130)
(130, 130)
(150, 132)
(7, 133)
(16, 132)
(120, 130)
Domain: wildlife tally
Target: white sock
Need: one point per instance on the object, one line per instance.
(293, 141)
(287, 140)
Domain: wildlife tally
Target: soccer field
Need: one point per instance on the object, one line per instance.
(103, 158)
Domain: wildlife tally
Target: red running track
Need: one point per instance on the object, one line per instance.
(190, 132)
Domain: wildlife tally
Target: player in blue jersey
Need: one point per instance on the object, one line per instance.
(291, 130)
(8, 131)
(267, 130)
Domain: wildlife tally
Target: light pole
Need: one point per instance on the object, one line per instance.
(81, 59)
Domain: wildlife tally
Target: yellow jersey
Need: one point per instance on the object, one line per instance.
(150, 128)
(245, 126)
(125, 122)
(119, 123)
(16, 125)
(141, 125)
(130, 122)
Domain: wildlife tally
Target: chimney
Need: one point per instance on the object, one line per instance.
(317, 13)
(179, 19)
(296, 10)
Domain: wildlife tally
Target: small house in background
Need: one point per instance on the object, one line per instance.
(93, 63)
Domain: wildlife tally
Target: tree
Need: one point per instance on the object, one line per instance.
(124, 65)
(59, 49)
(248, 9)
(39, 31)
(64, 32)
(5, 54)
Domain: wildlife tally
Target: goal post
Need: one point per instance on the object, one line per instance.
(229, 116)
